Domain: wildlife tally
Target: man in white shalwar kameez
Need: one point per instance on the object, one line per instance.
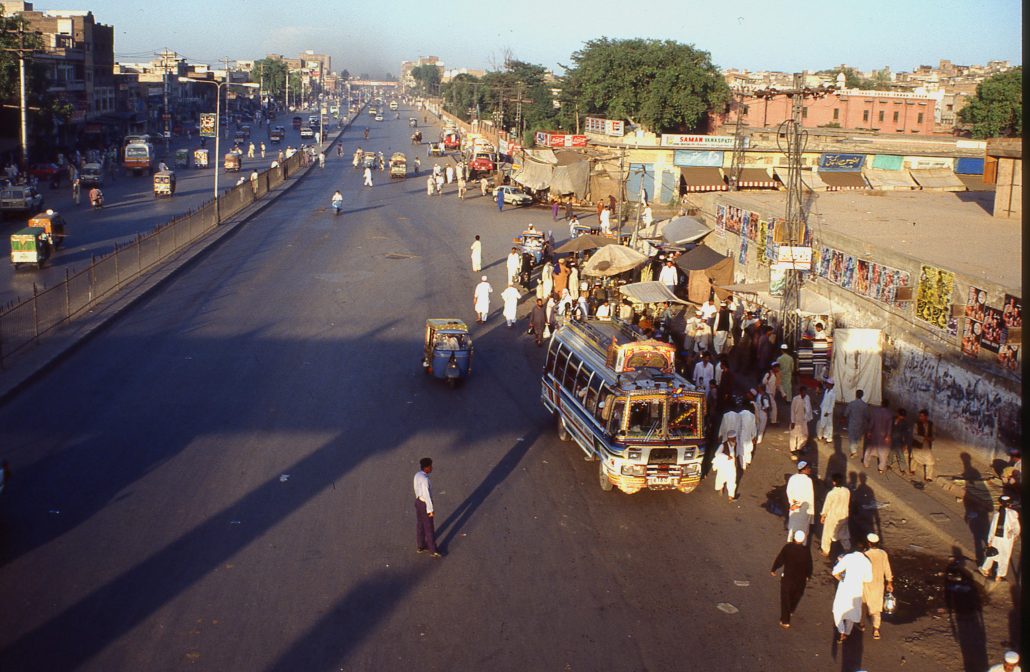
(800, 416)
(834, 516)
(481, 300)
(724, 464)
(800, 500)
(510, 296)
(477, 255)
(1001, 536)
(730, 424)
(852, 571)
(746, 433)
(824, 426)
(514, 265)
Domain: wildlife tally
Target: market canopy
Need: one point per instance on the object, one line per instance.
(684, 229)
(839, 180)
(700, 258)
(702, 178)
(810, 178)
(810, 304)
(571, 175)
(649, 292)
(938, 178)
(756, 178)
(584, 242)
(612, 260)
(888, 180)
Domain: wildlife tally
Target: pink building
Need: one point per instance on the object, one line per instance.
(883, 111)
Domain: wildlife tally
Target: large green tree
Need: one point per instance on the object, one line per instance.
(662, 85)
(272, 73)
(997, 108)
(463, 95)
(427, 79)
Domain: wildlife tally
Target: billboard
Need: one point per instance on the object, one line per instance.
(544, 139)
(700, 141)
(612, 127)
(841, 162)
(207, 124)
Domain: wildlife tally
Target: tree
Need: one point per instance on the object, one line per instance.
(389, 77)
(345, 74)
(662, 85)
(273, 74)
(427, 78)
(997, 108)
(853, 79)
(463, 94)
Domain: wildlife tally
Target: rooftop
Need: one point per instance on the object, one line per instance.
(952, 230)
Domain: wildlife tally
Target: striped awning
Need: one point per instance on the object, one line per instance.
(843, 180)
(757, 178)
(702, 178)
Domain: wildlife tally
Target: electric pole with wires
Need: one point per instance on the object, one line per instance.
(737, 165)
(23, 56)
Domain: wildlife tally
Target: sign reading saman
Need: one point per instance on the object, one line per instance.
(700, 141)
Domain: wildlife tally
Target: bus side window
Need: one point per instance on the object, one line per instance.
(561, 360)
(552, 346)
(593, 393)
(582, 379)
(569, 380)
(615, 421)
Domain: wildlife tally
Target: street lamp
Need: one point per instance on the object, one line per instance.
(218, 121)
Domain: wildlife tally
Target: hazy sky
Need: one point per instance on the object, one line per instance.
(375, 35)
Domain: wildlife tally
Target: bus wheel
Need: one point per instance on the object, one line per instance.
(563, 433)
(605, 484)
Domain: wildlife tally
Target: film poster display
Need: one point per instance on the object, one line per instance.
(933, 296)
(720, 218)
(1008, 356)
(734, 217)
(861, 276)
(763, 242)
(971, 338)
(770, 241)
(1012, 312)
(752, 227)
(742, 258)
(976, 303)
(992, 333)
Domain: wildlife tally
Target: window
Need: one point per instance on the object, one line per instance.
(615, 419)
(646, 417)
(569, 378)
(684, 419)
(549, 365)
(836, 113)
(560, 361)
(804, 113)
(881, 116)
(951, 108)
(865, 115)
(896, 114)
(919, 118)
(745, 110)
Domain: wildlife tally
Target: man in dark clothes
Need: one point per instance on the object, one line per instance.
(796, 560)
(537, 321)
(726, 386)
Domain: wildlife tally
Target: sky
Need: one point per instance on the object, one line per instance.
(374, 36)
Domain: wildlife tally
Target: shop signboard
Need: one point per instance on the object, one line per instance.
(841, 162)
(611, 127)
(544, 139)
(928, 162)
(207, 124)
(694, 157)
(724, 142)
(791, 257)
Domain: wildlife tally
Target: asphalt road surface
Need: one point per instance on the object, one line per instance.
(130, 208)
(221, 480)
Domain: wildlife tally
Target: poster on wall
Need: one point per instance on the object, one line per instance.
(952, 326)
(971, 338)
(847, 277)
(762, 242)
(752, 231)
(742, 259)
(875, 280)
(862, 277)
(933, 296)
(777, 281)
(1008, 356)
(976, 302)
(992, 335)
(770, 241)
(745, 223)
(836, 267)
(733, 219)
(1012, 312)
(720, 218)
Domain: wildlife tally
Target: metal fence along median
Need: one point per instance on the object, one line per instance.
(32, 320)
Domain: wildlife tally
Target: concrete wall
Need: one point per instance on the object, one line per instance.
(1008, 194)
(973, 400)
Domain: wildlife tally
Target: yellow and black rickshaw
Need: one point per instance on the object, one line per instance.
(52, 224)
(232, 162)
(200, 158)
(164, 183)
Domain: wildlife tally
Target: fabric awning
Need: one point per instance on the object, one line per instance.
(843, 180)
(757, 178)
(937, 178)
(699, 258)
(571, 178)
(975, 183)
(809, 178)
(534, 175)
(684, 229)
(612, 260)
(747, 287)
(649, 292)
(811, 303)
(703, 178)
(889, 180)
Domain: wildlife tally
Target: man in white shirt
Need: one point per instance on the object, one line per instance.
(477, 255)
(800, 500)
(604, 311)
(824, 426)
(704, 372)
(481, 300)
(514, 264)
(606, 221)
(668, 276)
(425, 530)
(800, 416)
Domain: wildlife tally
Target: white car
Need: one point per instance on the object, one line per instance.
(379, 117)
(513, 195)
(306, 132)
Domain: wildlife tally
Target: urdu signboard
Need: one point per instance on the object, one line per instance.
(207, 124)
(844, 163)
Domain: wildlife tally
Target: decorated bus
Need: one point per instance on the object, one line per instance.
(618, 396)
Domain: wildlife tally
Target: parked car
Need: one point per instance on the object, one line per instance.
(277, 134)
(513, 195)
(20, 199)
(44, 171)
(91, 175)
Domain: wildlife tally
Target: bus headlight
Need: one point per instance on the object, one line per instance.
(634, 470)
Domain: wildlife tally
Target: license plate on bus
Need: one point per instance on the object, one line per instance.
(659, 480)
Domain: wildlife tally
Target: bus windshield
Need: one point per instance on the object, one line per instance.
(684, 420)
(136, 151)
(645, 417)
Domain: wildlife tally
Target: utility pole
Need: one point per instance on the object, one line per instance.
(737, 164)
(228, 117)
(23, 106)
(622, 189)
(167, 115)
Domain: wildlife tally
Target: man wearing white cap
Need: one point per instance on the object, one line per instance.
(800, 416)
(510, 297)
(690, 330)
(786, 374)
(872, 591)
(481, 300)
(723, 326)
(852, 571)
(1011, 663)
(800, 500)
(748, 430)
(771, 382)
(1001, 536)
(796, 560)
(824, 426)
(724, 464)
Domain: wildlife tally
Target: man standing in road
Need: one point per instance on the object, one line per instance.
(800, 500)
(76, 190)
(724, 464)
(425, 530)
(477, 255)
(704, 372)
(481, 300)
(796, 560)
(771, 383)
(901, 441)
(1001, 536)
(368, 177)
(872, 592)
(500, 200)
(482, 186)
(922, 446)
(786, 374)
(856, 415)
(514, 265)
(878, 437)
(834, 516)
(853, 571)
(510, 297)
(669, 277)
(538, 322)
(824, 427)
(800, 416)
(606, 221)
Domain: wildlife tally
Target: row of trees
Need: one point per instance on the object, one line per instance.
(660, 85)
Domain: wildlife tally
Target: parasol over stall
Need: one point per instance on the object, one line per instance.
(612, 260)
(585, 242)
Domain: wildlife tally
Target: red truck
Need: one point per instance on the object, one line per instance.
(451, 140)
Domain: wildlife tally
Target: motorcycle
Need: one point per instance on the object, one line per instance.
(96, 199)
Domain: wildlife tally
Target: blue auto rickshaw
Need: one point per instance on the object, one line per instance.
(448, 350)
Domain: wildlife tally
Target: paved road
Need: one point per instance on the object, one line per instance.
(130, 209)
(222, 481)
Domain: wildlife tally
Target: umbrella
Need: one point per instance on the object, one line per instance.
(684, 229)
(585, 242)
(612, 260)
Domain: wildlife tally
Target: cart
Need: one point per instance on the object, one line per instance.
(200, 158)
(182, 158)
